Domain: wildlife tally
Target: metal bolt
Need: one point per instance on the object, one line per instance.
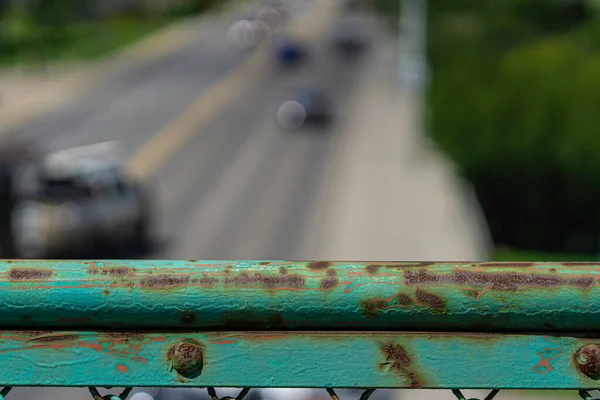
(588, 361)
(186, 358)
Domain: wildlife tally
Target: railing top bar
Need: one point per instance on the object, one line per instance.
(297, 295)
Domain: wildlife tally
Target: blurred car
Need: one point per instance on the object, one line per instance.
(78, 199)
(306, 104)
(349, 37)
(289, 51)
(353, 4)
(273, 15)
(15, 153)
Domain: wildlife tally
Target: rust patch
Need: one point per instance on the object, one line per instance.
(587, 360)
(372, 268)
(577, 264)
(404, 300)
(186, 358)
(106, 292)
(189, 317)
(414, 380)
(164, 281)
(497, 281)
(398, 361)
(397, 357)
(329, 283)
(116, 271)
(269, 281)
(28, 333)
(423, 299)
(505, 264)
(54, 338)
(430, 300)
(319, 265)
(205, 280)
(29, 274)
(408, 265)
(122, 368)
(372, 307)
(125, 335)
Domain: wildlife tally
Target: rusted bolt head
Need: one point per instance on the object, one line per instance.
(587, 360)
(186, 358)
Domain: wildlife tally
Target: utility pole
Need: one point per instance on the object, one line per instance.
(413, 69)
(412, 66)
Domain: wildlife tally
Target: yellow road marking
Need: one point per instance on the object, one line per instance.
(164, 144)
(173, 136)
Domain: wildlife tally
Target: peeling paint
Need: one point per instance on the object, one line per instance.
(164, 281)
(496, 281)
(171, 295)
(319, 265)
(29, 274)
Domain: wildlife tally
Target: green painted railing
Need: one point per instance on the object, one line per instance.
(253, 324)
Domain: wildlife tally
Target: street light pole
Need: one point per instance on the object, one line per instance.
(413, 70)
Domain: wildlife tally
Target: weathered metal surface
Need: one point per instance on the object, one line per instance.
(284, 295)
(295, 359)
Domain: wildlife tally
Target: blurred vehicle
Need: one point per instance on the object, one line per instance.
(289, 52)
(349, 37)
(14, 155)
(78, 199)
(306, 104)
(353, 4)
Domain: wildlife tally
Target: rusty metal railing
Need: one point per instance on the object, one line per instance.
(257, 324)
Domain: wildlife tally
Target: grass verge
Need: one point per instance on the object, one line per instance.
(509, 254)
(22, 43)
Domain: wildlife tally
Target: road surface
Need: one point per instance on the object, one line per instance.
(238, 185)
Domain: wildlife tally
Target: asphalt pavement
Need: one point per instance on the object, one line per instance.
(134, 104)
(251, 184)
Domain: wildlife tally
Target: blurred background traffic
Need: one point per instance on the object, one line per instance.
(299, 129)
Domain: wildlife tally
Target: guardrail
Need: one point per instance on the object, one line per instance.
(255, 324)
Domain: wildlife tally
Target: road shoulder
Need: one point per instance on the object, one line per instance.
(26, 93)
(387, 196)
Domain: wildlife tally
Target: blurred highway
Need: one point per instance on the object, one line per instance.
(251, 185)
(201, 125)
(240, 186)
(231, 183)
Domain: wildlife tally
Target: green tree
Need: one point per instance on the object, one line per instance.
(513, 98)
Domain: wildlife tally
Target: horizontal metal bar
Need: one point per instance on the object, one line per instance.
(292, 359)
(285, 295)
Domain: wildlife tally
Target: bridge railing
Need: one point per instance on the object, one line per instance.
(299, 324)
